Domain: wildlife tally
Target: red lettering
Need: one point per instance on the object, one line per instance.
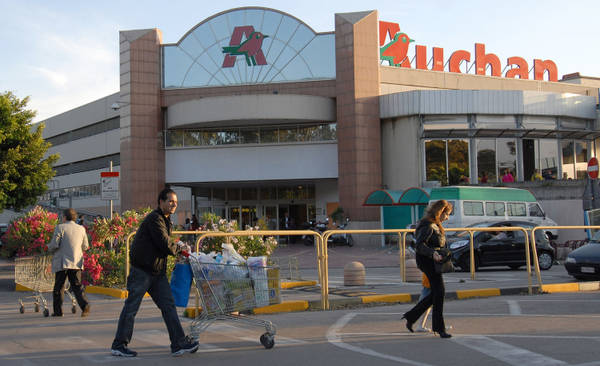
(421, 58)
(482, 60)
(387, 29)
(522, 69)
(541, 66)
(456, 58)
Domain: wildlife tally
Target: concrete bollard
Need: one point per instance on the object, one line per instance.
(413, 274)
(354, 274)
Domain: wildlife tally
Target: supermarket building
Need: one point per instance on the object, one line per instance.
(252, 114)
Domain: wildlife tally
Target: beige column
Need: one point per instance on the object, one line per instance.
(142, 148)
(358, 124)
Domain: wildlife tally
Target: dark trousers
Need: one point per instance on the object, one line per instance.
(435, 298)
(138, 283)
(58, 294)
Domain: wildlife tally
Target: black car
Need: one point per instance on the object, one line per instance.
(584, 262)
(502, 248)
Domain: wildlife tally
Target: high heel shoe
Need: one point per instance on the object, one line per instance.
(443, 334)
(408, 324)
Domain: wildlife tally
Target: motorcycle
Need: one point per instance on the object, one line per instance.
(335, 239)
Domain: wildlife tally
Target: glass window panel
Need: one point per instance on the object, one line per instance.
(568, 166)
(301, 38)
(269, 135)
(321, 55)
(494, 208)
(228, 137)
(192, 138)
(472, 208)
(218, 194)
(204, 36)
(249, 136)
(285, 193)
(435, 161)
(539, 123)
(297, 69)
(516, 209)
(329, 132)
(268, 193)
(458, 161)
(287, 29)
(191, 46)
(506, 153)
(271, 51)
(486, 160)
(176, 63)
(308, 133)
(233, 194)
(496, 121)
(197, 75)
(581, 158)
(249, 194)
(202, 194)
(535, 210)
(256, 18)
(175, 138)
(288, 134)
(548, 158)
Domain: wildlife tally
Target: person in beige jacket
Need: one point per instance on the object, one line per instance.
(68, 244)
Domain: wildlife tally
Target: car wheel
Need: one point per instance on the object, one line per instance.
(545, 260)
(465, 263)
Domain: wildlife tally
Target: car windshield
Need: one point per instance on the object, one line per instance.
(596, 236)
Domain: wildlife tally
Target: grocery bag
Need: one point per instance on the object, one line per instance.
(181, 280)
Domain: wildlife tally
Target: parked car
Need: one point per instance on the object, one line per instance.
(502, 248)
(584, 262)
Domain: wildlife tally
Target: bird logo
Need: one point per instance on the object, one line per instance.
(396, 51)
(251, 48)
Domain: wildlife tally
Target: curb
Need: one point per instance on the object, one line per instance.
(294, 284)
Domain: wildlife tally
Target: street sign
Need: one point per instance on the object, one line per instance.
(592, 168)
(109, 182)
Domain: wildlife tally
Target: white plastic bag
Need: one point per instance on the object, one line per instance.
(258, 273)
(230, 256)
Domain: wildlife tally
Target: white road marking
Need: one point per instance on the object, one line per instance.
(334, 337)
(505, 352)
(513, 307)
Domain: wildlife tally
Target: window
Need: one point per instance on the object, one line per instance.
(494, 209)
(535, 210)
(472, 208)
(486, 160)
(516, 209)
(447, 161)
(506, 154)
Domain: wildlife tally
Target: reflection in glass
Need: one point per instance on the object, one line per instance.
(248, 136)
(249, 194)
(233, 194)
(581, 158)
(548, 158)
(175, 138)
(435, 161)
(269, 135)
(486, 160)
(568, 166)
(506, 153)
(458, 162)
(193, 138)
(288, 134)
(219, 194)
(268, 193)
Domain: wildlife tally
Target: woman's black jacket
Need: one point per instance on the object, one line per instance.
(428, 237)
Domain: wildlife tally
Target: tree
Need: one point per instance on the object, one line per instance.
(24, 171)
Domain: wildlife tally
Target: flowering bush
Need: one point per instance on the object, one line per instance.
(246, 246)
(29, 234)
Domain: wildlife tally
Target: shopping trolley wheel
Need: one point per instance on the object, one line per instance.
(22, 309)
(36, 308)
(46, 313)
(73, 309)
(267, 340)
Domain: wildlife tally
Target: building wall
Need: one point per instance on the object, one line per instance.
(400, 145)
(256, 163)
(325, 192)
(106, 143)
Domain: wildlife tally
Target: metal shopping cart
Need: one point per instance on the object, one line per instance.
(36, 274)
(229, 289)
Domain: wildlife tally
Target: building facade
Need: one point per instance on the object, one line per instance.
(252, 114)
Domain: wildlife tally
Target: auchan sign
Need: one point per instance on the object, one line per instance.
(395, 52)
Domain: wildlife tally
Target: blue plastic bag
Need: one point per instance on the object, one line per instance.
(181, 280)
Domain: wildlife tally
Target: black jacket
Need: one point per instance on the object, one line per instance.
(428, 237)
(151, 244)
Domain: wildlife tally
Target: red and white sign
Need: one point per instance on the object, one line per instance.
(109, 183)
(592, 168)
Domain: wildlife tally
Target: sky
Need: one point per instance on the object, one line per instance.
(63, 53)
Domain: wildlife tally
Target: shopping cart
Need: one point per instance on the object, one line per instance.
(226, 290)
(36, 274)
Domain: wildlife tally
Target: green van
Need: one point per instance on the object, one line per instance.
(473, 205)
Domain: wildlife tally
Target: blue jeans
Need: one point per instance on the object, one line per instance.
(138, 283)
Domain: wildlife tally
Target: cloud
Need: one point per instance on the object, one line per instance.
(57, 79)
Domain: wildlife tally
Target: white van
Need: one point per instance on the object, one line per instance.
(477, 204)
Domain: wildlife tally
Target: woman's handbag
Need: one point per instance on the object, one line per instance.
(445, 265)
(181, 280)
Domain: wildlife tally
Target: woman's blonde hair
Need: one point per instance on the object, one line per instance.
(435, 210)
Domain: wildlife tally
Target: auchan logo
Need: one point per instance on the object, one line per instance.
(251, 48)
(395, 52)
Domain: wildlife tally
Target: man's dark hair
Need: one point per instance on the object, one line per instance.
(70, 214)
(162, 196)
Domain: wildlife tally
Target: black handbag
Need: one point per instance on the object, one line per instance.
(445, 265)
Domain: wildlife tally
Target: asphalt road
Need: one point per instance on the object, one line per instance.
(551, 329)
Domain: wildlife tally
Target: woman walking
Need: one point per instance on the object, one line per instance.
(430, 235)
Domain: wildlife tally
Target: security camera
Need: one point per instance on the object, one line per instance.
(115, 106)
